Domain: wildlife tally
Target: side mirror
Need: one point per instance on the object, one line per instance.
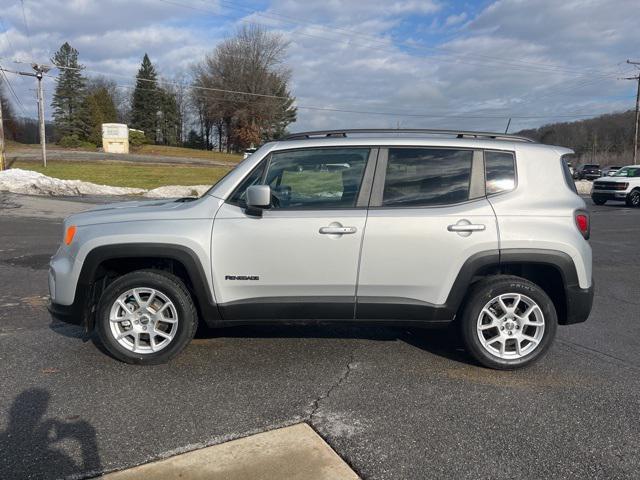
(258, 198)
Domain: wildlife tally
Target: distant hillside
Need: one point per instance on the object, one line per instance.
(607, 139)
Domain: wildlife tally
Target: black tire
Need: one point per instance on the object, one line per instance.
(598, 201)
(167, 284)
(633, 199)
(488, 289)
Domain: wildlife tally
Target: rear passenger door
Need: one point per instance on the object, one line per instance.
(428, 214)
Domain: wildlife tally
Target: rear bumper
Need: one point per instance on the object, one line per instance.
(579, 303)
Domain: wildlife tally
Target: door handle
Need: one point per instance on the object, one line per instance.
(337, 230)
(466, 227)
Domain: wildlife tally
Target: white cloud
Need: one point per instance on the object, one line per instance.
(455, 19)
(513, 57)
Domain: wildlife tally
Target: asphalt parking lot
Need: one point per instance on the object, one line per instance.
(394, 403)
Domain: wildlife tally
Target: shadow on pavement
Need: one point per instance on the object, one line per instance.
(33, 444)
(443, 342)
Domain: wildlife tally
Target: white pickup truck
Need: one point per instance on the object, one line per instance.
(623, 186)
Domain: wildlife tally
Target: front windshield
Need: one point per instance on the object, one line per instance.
(628, 172)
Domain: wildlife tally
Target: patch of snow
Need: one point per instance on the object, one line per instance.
(16, 180)
(584, 187)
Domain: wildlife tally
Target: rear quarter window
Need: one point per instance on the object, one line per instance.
(500, 171)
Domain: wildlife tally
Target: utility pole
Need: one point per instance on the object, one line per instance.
(40, 71)
(2, 164)
(635, 137)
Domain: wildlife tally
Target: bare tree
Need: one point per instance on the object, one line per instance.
(252, 61)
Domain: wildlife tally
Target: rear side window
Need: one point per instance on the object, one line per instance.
(500, 171)
(427, 177)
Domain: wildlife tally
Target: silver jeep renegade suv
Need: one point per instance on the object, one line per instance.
(403, 227)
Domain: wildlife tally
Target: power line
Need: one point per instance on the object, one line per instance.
(4, 75)
(6, 34)
(469, 115)
(199, 87)
(13, 92)
(221, 90)
(26, 25)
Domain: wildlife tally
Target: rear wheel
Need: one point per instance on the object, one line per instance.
(508, 322)
(633, 199)
(146, 317)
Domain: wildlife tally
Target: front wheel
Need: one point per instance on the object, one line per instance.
(633, 199)
(146, 317)
(508, 322)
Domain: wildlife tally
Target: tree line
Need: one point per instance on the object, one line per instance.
(237, 96)
(606, 139)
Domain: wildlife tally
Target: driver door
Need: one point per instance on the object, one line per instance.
(290, 263)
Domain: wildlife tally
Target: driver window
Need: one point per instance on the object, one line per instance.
(316, 178)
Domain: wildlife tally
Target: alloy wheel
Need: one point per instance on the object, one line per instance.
(143, 320)
(510, 326)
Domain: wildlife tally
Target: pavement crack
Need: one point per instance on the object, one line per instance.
(577, 347)
(344, 375)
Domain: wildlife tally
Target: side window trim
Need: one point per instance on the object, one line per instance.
(364, 194)
(515, 170)
(379, 177)
(476, 184)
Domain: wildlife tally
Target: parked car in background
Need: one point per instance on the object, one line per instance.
(589, 171)
(610, 170)
(248, 152)
(623, 186)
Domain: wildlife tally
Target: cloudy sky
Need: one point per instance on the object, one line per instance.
(356, 63)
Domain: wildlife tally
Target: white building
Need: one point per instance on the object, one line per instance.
(115, 138)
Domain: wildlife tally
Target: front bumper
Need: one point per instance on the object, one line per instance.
(609, 195)
(579, 303)
(73, 314)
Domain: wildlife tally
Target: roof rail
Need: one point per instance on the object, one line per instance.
(422, 131)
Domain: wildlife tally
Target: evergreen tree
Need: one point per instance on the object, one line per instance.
(169, 118)
(67, 97)
(146, 100)
(97, 108)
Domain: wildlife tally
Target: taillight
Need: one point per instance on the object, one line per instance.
(583, 223)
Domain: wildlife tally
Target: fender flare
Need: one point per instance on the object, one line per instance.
(202, 296)
(578, 301)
